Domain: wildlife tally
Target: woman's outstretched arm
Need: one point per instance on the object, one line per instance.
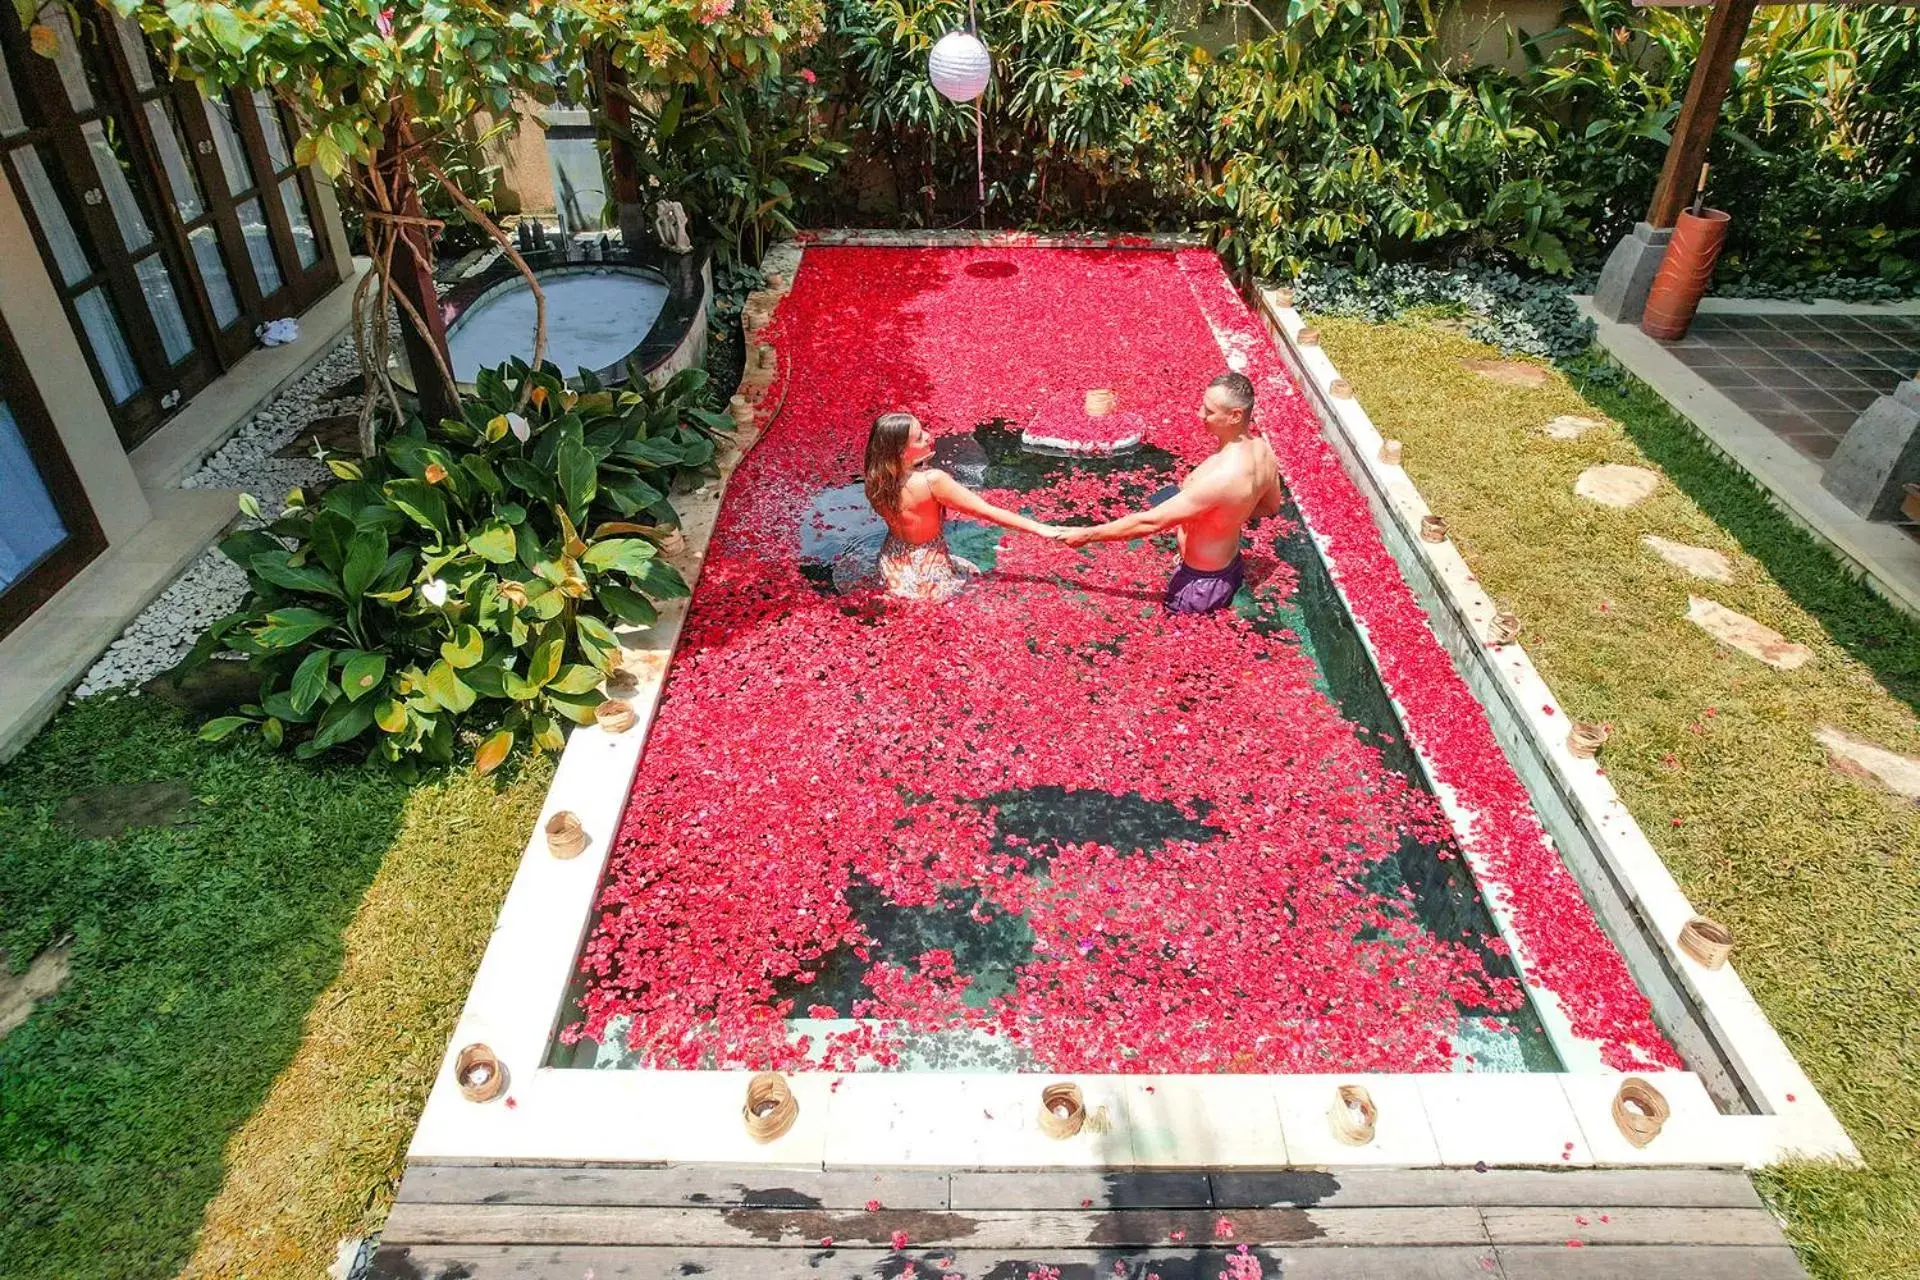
(953, 495)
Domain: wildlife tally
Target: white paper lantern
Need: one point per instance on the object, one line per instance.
(960, 66)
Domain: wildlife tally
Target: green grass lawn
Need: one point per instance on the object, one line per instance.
(1818, 874)
(292, 949)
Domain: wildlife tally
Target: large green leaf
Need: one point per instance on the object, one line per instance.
(422, 503)
(579, 477)
(285, 628)
(447, 690)
(465, 649)
(630, 607)
(310, 679)
(365, 558)
(276, 567)
(345, 720)
(628, 493)
(493, 542)
(627, 555)
(362, 673)
(546, 660)
(576, 678)
(662, 581)
(597, 641)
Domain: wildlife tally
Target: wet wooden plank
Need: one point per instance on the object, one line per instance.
(1362, 1188)
(1632, 1226)
(685, 1185)
(415, 1223)
(1649, 1262)
(1080, 1190)
(571, 1262)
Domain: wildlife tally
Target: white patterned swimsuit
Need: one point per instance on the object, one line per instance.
(923, 571)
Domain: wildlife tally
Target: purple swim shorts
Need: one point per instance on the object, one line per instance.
(1204, 590)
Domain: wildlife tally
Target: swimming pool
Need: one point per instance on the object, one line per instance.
(833, 788)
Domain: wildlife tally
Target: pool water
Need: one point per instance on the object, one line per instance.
(595, 319)
(1292, 600)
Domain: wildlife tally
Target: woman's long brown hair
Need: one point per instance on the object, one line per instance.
(886, 466)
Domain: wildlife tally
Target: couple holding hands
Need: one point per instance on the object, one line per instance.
(1209, 510)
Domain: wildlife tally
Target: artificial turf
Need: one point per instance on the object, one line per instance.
(1817, 873)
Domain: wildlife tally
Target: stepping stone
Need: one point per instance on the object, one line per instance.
(109, 811)
(1701, 562)
(1738, 631)
(1570, 426)
(1614, 485)
(1508, 373)
(46, 975)
(1858, 758)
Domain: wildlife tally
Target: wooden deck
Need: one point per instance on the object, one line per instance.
(549, 1223)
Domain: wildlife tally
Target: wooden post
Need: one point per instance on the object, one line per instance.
(413, 280)
(619, 114)
(1700, 112)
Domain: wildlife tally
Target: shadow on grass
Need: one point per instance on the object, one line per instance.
(200, 945)
(1874, 632)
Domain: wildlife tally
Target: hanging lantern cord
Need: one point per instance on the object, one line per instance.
(979, 126)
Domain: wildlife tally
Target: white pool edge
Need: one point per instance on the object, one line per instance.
(574, 1116)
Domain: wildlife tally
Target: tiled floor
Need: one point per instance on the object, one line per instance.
(1805, 377)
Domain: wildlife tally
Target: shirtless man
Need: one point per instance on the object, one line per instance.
(1239, 482)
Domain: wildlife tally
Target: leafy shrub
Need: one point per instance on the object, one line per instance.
(468, 576)
(1534, 316)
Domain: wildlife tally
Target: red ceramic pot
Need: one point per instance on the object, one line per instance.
(1684, 274)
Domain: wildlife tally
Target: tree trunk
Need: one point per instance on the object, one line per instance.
(425, 341)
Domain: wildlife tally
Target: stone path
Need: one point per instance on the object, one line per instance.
(1612, 484)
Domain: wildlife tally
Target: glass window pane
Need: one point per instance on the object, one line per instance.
(156, 282)
(173, 158)
(11, 121)
(233, 160)
(270, 125)
(109, 163)
(213, 274)
(66, 57)
(30, 525)
(133, 42)
(68, 252)
(108, 343)
(253, 224)
(294, 201)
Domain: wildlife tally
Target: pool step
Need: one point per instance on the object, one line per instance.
(558, 1223)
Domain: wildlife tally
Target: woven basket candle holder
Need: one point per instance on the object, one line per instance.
(1340, 389)
(1352, 1115)
(1639, 1110)
(777, 282)
(480, 1073)
(752, 320)
(770, 1109)
(566, 838)
(1708, 942)
(1433, 529)
(615, 715)
(1100, 403)
(1390, 451)
(741, 410)
(1585, 740)
(1063, 1111)
(1307, 338)
(1504, 630)
(1283, 296)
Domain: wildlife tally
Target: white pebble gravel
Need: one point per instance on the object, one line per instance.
(213, 586)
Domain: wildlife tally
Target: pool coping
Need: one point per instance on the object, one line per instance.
(549, 1115)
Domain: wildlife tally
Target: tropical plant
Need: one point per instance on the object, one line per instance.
(470, 575)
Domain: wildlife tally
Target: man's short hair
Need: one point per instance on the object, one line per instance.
(1239, 390)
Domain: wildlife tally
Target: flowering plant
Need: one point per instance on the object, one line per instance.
(470, 574)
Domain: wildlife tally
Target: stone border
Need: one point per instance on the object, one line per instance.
(1887, 560)
(555, 1115)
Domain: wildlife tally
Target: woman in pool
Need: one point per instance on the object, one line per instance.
(914, 500)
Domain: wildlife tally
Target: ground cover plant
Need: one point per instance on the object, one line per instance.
(1712, 752)
(268, 913)
(903, 750)
(470, 574)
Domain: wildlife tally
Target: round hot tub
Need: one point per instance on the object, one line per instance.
(644, 310)
(596, 318)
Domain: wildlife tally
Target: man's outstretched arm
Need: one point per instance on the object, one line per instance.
(1181, 507)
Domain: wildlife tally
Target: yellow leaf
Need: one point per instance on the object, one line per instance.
(497, 428)
(391, 716)
(493, 752)
(44, 41)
